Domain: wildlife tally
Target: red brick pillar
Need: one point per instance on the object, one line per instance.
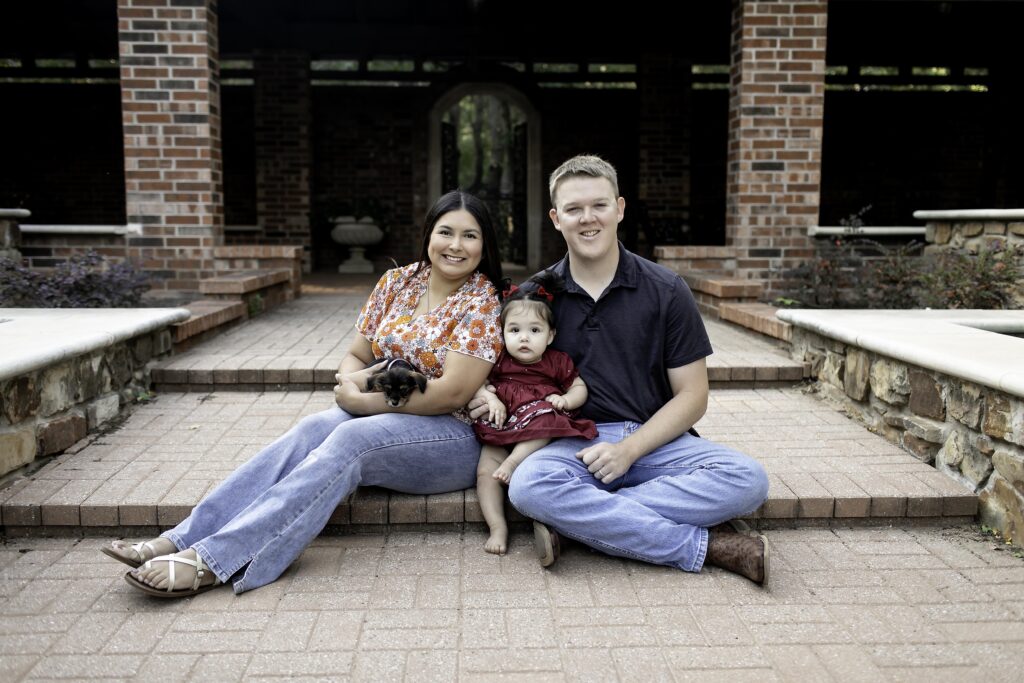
(776, 105)
(664, 153)
(170, 103)
(283, 113)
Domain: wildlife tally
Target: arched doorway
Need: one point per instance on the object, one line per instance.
(485, 138)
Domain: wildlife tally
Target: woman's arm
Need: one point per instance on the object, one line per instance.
(461, 378)
(572, 399)
(358, 357)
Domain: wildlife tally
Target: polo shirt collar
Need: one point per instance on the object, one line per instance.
(626, 272)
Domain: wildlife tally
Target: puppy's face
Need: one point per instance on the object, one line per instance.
(396, 384)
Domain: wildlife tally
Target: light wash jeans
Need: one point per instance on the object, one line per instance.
(267, 511)
(657, 512)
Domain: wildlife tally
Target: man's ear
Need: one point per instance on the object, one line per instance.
(622, 207)
(553, 214)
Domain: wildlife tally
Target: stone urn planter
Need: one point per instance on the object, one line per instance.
(357, 235)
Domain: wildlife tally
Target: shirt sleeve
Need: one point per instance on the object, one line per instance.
(376, 305)
(478, 331)
(686, 340)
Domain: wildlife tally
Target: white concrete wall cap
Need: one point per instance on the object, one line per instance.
(34, 338)
(970, 214)
(959, 343)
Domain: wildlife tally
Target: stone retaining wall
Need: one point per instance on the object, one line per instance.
(973, 235)
(972, 433)
(47, 410)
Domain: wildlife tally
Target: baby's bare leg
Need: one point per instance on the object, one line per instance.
(492, 498)
(519, 453)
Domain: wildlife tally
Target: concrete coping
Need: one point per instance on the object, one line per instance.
(34, 338)
(867, 230)
(39, 229)
(969, 344)
(970, 214)
(15, 213)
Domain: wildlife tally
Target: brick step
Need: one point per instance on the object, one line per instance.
(209, 316)
(758, 317)
(151, 471)
(33, 505)
(258, 374)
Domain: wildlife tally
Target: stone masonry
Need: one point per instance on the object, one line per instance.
(170, 99)
(972, 433)
(45, 411)
(776, 106)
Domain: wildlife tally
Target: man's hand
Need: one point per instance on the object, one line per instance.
(478, 406)
(606, 461)
(558, 401)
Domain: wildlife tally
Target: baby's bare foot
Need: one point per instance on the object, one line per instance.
(497, 544)
(504, 472)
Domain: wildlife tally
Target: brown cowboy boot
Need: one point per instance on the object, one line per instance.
(739, 553)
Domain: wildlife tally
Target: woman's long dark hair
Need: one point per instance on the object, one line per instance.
(490, 260)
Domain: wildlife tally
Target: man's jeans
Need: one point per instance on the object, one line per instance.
(657, 512)
(268, 510)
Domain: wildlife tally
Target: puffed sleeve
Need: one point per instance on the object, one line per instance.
(377, 304)
(478, 331)
(565, 369)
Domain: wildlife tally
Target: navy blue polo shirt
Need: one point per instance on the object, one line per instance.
(623, 344)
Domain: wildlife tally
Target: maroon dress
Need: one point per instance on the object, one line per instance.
(522, 388)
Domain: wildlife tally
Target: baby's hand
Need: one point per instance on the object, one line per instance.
(558, 401)
(495, 411)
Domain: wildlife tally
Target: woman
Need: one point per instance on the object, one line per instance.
(441, 315)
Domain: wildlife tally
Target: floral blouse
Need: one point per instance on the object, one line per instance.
(466, 322)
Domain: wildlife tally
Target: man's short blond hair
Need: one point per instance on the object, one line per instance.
(583, 165)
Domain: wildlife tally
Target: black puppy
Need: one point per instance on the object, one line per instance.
(397, 380)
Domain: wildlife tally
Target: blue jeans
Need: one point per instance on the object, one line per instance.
(657, 512)
(268, 510)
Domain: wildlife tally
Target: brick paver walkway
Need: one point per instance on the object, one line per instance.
(423, 601)
(846, 604)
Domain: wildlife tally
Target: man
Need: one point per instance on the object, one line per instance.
(647, 487)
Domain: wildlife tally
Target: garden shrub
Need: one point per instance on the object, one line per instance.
(863, 273)
(83, 281)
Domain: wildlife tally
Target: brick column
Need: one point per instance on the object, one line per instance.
(776, 105)
(170, 102)
(283, 113)
(664, 153)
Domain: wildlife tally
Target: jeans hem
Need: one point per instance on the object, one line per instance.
(702, 552)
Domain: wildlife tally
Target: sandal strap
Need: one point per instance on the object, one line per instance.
(199, 564)
(171, 560)
(138, 547)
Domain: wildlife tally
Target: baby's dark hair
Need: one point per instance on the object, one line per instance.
(538, 292)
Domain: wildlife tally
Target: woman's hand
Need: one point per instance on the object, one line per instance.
(479, 405)
(360, 376)
(345, 392)
(496, 412)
